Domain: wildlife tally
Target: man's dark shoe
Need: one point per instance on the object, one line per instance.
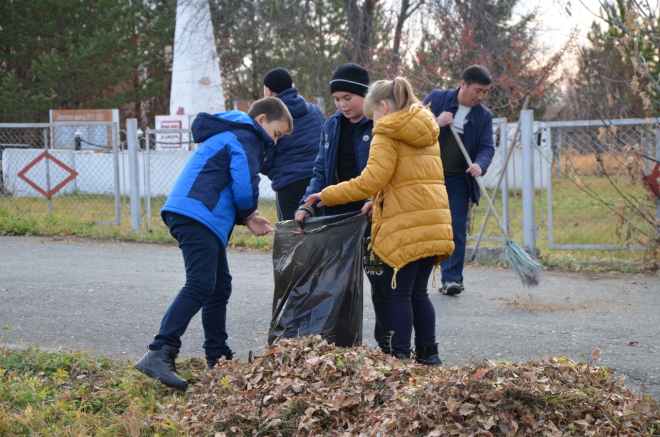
(160, 364)
(452, 288)
(212, 361)
(428, 355)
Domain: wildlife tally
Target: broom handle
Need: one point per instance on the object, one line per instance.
(481, 185)
(509, 152)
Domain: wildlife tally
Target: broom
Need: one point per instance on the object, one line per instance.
(526, 266)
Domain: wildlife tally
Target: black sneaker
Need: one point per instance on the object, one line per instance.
(452, 288)
(160, 364)
(212, 361)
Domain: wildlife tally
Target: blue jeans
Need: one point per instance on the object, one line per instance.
(459, 197)
(208, 287)
(409, 305)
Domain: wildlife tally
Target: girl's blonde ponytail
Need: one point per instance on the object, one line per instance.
(398, 92)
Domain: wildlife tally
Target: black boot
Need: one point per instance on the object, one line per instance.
(159, 364)
(212, 361)
(401, 355)
(428, 355)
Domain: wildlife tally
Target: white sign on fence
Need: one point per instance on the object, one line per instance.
(176, 141)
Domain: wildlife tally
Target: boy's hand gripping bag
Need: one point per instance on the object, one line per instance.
(318, 279)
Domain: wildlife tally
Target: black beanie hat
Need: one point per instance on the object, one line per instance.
(278, 80)
(350, 78)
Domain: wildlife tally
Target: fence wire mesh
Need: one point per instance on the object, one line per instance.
(588, 179)
(65, 170)
(597, 199)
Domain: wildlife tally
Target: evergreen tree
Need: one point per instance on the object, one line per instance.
(68, 54)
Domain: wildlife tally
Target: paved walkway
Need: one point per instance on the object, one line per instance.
(108, 298)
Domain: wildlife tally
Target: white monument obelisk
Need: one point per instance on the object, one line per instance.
(196, 81)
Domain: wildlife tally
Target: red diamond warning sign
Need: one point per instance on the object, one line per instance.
(58, 187)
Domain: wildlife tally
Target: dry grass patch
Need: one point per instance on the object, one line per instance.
(529, 303)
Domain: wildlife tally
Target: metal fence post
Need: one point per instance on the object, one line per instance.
(504, 146)
(133, 169)
(528, 191)
(50, 202)
(115, 161)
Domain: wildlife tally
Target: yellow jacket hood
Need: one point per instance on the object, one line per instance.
(416, 126)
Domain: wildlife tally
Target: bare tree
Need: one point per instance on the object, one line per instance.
(405, 11)
(360, 25)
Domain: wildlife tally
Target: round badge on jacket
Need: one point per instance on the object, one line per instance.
(327, 145)
(365, 138)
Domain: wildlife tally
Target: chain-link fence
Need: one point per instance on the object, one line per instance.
(587, 177)
(67, 170)
(596, 199)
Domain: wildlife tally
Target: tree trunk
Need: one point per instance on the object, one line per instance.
(405, 12)
(360, 20)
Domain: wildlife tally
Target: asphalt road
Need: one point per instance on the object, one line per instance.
(108, 298)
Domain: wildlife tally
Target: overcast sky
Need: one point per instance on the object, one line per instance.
(557, 23)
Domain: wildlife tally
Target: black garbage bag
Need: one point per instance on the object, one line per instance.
(318, 279)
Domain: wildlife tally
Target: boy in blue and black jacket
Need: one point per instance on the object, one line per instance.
(217, 189)
(342, 155)
(289, 165)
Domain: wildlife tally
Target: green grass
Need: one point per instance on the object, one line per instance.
(74, 215)
(577, 219)
(63, 394)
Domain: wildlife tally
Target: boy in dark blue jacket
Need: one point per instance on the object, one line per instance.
(289, 165)
(342, 155)
(462, 108)
(217, 189)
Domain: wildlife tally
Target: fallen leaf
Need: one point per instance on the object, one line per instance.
(479, 374)
(466, 409)
(531, 376)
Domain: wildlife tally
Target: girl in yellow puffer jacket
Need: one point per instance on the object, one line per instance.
(411, 229)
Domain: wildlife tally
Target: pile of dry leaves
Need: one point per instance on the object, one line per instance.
(309, 387)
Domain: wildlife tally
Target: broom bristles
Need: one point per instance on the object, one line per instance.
(526, 266)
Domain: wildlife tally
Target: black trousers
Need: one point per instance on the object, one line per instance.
(409, 305)
(289, 197)
(373, 267)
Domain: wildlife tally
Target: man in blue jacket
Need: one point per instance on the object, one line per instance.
(289, 165)
(217, 189)
(462, 108)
